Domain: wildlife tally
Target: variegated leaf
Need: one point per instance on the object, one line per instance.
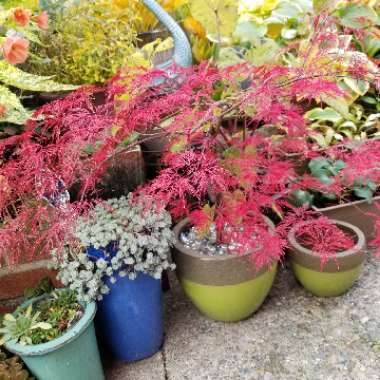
(14, 112)
(12, 76)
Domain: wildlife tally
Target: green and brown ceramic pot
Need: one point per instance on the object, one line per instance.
(224, 288)
(338, 274)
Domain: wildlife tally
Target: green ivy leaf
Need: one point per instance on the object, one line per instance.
(13, 76)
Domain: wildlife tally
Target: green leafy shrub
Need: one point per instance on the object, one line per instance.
(88, 42)
(328, 126)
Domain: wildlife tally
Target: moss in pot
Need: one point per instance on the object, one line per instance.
(326, 255)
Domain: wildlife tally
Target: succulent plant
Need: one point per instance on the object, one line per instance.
(43, 320)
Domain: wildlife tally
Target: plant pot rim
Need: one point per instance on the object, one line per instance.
(216, 270)
(353, 203)
(350, 257)
(55, 344)
(181, 247)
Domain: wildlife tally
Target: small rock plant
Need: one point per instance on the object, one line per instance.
(127, 235)
(42, 321)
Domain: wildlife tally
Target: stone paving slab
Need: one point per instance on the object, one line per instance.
(149, 369)
(294, 336)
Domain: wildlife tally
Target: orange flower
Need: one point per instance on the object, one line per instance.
(21, 16)
(42, 20)
(2, 110)
(15, 50)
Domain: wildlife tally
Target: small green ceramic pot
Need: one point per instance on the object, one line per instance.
(224, 288)
(74, 355)
(338, 274)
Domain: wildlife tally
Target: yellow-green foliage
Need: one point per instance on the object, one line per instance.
(29, 4)
(88, 42)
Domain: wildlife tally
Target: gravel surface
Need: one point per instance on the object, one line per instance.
(293, 336)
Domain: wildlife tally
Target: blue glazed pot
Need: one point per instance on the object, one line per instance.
(129, 319)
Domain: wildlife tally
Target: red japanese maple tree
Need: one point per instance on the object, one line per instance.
(236, 169)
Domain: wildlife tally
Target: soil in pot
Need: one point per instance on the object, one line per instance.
(339, 272)
(224, 287)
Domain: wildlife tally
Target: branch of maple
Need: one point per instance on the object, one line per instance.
(232, 104)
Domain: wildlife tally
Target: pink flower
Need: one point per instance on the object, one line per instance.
(42, 20)
(15, 50)
(21, 16)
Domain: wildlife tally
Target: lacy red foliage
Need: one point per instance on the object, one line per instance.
(52, 150)
(324, 238)
(187, 179)
(238, 169)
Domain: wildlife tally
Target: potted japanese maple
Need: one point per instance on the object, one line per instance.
(54, 335)
(120, 250)
(223, 284)
(326, 255)
(226, 251)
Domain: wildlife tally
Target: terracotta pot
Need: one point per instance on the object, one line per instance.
(16, 278)
(338, 274)
(355, 213)
(224, 288)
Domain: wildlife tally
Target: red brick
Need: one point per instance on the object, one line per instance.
(15, 279)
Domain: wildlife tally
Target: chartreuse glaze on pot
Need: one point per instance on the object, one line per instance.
(72, 356)
(230, 303)
(224, 288)
(338, 274)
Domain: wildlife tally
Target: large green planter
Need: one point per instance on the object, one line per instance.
(224, 288)
(338, 274)
(72, 356)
